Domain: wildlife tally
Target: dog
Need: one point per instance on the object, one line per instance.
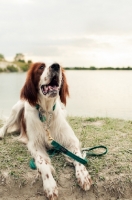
(41, 96)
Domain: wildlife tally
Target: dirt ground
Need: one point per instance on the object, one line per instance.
(68, 189)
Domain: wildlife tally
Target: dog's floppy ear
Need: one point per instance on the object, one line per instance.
(29, 91)
(64, 91)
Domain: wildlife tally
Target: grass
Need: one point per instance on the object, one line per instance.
(115, 168)
(113, 171)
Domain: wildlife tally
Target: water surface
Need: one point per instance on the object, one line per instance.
(92, 93)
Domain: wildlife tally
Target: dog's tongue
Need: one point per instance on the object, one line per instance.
(49, 88)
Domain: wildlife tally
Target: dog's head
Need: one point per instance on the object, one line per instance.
(45, 81)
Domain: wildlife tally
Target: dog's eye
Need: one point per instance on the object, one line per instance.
(41, 67)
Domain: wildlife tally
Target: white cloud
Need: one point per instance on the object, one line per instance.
(72, 32)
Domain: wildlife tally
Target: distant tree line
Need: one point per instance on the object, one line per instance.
(19, 64)
(95, 68)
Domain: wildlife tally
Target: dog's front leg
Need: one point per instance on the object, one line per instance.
(82, 175)
(43, 165)
(71, 142)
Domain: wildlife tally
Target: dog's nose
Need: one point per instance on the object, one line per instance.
(55, 66)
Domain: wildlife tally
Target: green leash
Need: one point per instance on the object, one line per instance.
(59, 148)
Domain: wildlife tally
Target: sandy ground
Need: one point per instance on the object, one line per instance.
(68, 189)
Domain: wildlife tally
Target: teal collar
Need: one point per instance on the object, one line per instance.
(54, 107)
(41, 111)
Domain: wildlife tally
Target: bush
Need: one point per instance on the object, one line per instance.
(11, 68)
(24, 68)
(23, 61)
(1, 70)
(29, 62)
(2, 57)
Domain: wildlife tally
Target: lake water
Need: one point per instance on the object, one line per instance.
(92, 93)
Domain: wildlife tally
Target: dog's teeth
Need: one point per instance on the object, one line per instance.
(49, 88)
(45, 88)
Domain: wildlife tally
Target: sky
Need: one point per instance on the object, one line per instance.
(71, 32)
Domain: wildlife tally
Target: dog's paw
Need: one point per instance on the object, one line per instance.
(83, 177)
(50, 189)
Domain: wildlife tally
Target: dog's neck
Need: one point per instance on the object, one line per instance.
(47, 104)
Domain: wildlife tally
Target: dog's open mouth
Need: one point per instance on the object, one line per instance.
(52, 87)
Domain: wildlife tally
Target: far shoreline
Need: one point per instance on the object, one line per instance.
(100, 68)
(13, 69)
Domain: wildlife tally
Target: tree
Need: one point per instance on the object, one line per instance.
(29, 61)
(2, 57)
(19, 57)
(92, 68)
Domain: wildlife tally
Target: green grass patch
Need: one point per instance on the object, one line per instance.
(112, 170)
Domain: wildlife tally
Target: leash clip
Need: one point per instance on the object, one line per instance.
(49, 136)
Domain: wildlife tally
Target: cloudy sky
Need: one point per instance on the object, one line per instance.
(71, 32)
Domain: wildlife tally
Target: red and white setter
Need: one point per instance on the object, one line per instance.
(46, 86)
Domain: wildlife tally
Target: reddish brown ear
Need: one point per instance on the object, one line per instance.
(64, 91)
(29, 91)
